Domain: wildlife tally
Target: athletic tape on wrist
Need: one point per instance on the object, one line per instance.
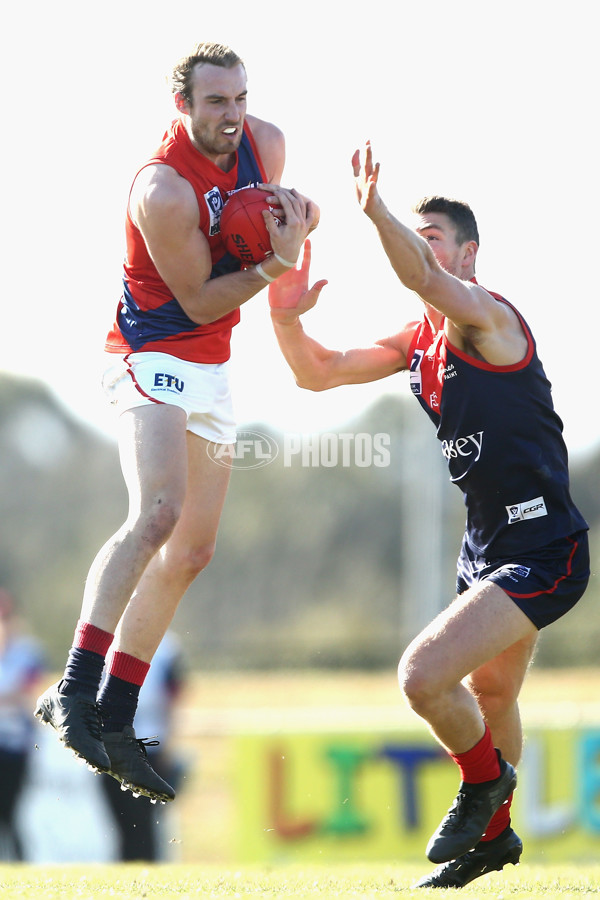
(258, 268)
(284, 262)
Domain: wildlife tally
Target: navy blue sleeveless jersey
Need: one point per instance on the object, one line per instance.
(502, 440)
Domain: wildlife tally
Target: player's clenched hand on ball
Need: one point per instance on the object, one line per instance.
(300, 217)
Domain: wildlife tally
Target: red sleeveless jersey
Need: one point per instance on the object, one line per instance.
(149, 317)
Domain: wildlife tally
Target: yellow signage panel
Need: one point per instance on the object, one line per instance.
(331, 796)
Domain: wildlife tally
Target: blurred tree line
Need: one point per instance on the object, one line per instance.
(313, 557)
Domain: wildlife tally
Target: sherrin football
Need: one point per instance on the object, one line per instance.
(243, 229)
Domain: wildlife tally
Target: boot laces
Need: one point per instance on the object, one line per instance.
(462, 808)
(146, 742)
(90, 715)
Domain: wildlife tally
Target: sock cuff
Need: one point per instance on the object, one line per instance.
(128, 668)
(480, 763)
(89, 637)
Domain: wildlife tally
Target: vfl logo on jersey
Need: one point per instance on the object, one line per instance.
(531, 509)
(214, 202)
(416, 382)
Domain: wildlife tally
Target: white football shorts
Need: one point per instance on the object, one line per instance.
(202, 390)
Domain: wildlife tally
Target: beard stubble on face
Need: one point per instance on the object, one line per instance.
(211, 143)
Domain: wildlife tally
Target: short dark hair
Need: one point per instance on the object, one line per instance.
(459, 213)
(207, 52)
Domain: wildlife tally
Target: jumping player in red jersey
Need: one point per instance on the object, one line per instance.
(168, 380)
(524, 562)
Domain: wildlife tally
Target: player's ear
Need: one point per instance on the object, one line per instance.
(470, 252)
(181, 103)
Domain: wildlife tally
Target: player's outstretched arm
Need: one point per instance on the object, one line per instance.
(470, 309)
(315, 367)
(410, 256)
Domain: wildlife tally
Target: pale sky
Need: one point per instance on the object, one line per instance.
(495, 104)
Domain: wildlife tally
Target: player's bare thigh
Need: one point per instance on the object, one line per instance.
(187, 551)
(476, 628)
(207, 484)
(154, 456)
(500, 679)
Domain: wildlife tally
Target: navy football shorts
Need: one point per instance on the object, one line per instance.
(544, 583)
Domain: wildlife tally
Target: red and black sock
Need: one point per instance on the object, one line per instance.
(118, 698)
(85, 663)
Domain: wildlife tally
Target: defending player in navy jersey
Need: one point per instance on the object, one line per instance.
(524, 562)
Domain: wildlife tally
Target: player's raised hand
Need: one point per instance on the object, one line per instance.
(366, 174)
(290, 296)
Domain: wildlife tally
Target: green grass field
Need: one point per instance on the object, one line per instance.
(130, 882)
